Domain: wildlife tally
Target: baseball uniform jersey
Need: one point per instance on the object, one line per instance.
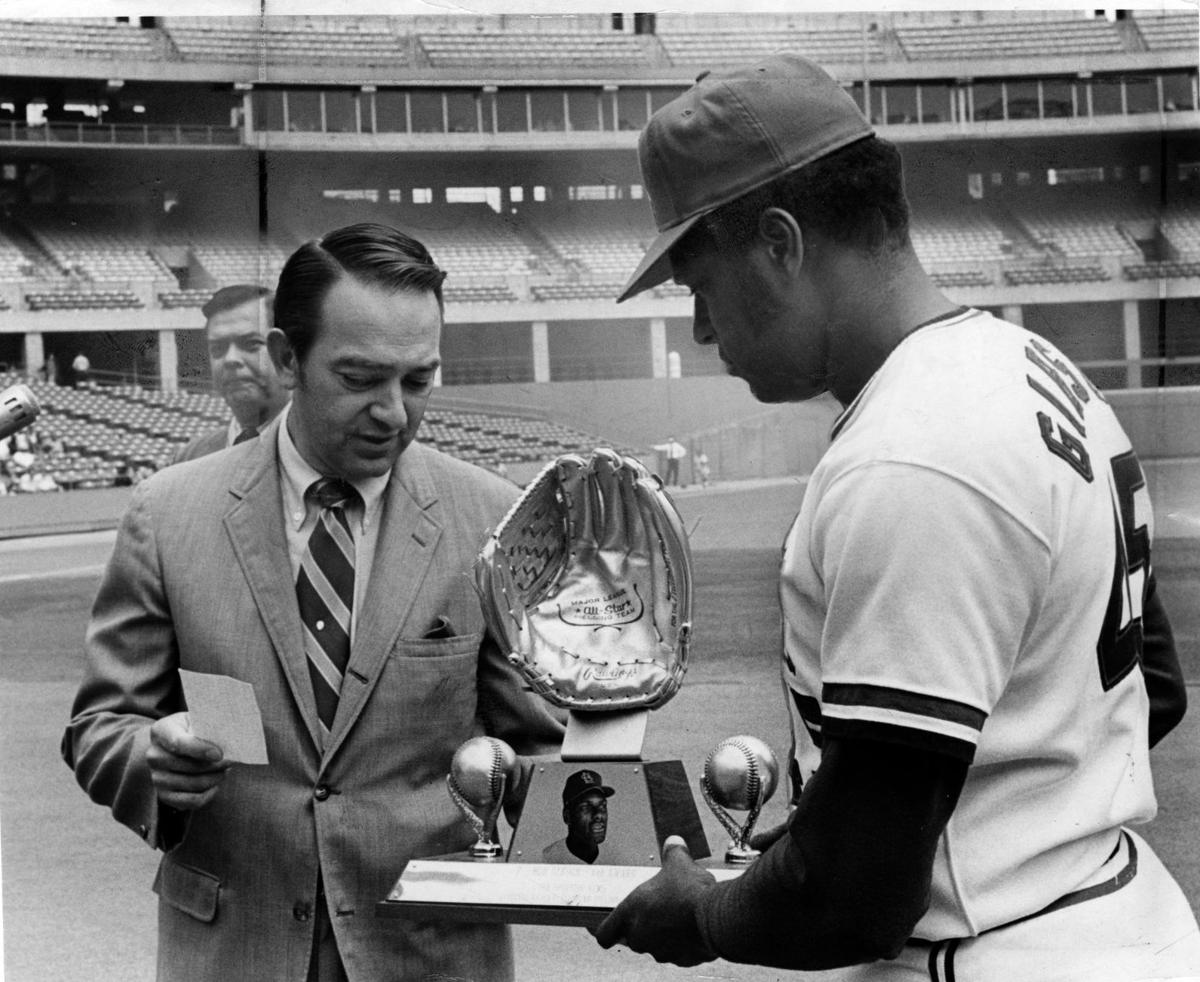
(966, 575)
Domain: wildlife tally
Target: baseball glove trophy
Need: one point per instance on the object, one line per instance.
(587, 585)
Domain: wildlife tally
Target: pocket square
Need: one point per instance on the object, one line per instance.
(441, 629)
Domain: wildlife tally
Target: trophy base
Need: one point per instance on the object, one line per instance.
(527, 893)
(547, 874)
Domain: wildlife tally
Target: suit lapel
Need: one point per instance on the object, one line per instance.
(408, 537)
(255, 528)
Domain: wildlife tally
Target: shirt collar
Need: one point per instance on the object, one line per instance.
(298, 474)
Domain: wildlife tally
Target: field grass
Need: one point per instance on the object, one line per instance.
(77, 903)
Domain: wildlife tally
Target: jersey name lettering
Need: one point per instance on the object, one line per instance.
(1065, 445)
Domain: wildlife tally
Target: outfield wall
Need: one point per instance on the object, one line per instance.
(746, 439)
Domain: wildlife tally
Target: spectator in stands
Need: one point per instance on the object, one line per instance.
(674, 452)
(237, 320)
(81, 368)
(50, 369)
(35, 479)
(332, 578)
(702, 468)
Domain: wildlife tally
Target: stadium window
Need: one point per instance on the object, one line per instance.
(1058, 98)
(1024, 178)
(341, 115)
(1189, 171)
(474, 195)
(303, 110)
(391, 111)
(547, 110)
(1178, 91)
(1145, 173)
(395, 196)
(899, 103)
(351, 194)
(512, 111)
(988, 101)
(462, 111)
(934, 103)
(540, 193)
(593, 192)
(997, 179)
(422, 196)
(1021, 100)
(1106, 95)
(1074, 175)
(636, 192)
(516, 195)
(633, 108)
(428, 111)
(1141, 94)
(583, 110)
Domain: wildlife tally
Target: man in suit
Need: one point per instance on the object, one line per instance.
(236, 321)
(231, 566)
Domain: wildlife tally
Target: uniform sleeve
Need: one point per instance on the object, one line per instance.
(929, 586)
(131, 679)
(1160, 666)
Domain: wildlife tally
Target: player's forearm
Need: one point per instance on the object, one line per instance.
(851, 879)
(778, 914)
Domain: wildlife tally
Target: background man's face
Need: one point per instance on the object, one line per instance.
(587, 818)
(358, 397)
(241, 368)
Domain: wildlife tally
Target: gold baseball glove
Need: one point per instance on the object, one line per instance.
(588, 582)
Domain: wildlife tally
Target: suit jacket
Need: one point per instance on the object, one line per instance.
(200, 579)
(202, 445)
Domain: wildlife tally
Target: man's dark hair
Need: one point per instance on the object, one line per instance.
(373, 254)
(854, 196)
(229, 297)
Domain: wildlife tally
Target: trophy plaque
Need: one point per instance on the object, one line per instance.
(587, 581)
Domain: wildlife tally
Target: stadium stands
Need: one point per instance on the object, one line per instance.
(1072, 35)
(85, 37)
(1041, 275)
(483, 49)
(66, 298)
(105, 429)
(1166, 30)
(709, 48)
(286, 39)
(948, 234)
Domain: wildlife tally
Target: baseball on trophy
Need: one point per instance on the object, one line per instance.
(741, 773)
(480, 769)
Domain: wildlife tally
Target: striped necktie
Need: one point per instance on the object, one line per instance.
(325, 591)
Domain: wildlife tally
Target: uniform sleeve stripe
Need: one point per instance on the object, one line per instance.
(869, 729)
(916, 704)
(909, 721)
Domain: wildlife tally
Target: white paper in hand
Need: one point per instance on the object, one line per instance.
(223, 710)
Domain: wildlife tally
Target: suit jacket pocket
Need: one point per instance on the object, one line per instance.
(187, 889)
(461, 644)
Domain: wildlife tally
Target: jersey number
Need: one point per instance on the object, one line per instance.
(1119, 649)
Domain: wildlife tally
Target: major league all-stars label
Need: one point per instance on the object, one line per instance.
(622, 606)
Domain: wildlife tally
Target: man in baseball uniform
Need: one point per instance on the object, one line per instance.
(975, 657)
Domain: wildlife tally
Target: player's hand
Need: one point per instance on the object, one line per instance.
(659, 917)
(186, 770)
(762, 841)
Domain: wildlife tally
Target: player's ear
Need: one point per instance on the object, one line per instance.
(780, 233)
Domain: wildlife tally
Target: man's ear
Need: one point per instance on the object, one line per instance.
(779, 231)
(283, 357)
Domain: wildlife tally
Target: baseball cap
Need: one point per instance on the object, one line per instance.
(731, 132)
(580, 783)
